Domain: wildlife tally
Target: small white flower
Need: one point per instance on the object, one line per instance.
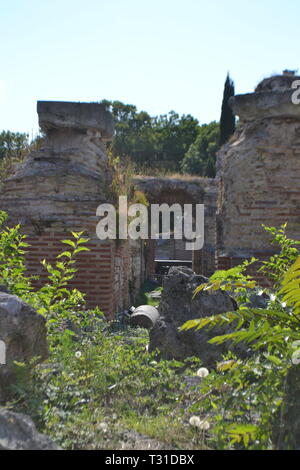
(283, 304)
(202, 372)
(103, 426)
(204, 425)
(260, 292)
(201, 424)
(272, 297)
(78, 354)
(195, 421)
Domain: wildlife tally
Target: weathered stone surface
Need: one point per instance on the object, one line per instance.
(65, 114)
(58, 189)
(176, 307)
(265, 105)
(258, 172)
(63, 182)
(272, 98)
(24, 334)
(18, 432)
(277, 82)
(189, 189)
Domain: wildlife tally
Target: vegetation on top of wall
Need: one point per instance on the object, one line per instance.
(200, 159)
(159, 145)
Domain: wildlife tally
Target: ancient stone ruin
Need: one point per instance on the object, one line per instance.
(259, 172)
(24, 334)
(58, 188)
(193, 190)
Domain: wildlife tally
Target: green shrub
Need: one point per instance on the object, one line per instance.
(245, 397)
(99, 380)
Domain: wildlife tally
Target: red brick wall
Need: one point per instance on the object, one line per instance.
(95, 275)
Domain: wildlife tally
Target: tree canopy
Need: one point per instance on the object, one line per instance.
(12, 144)
(200, 159)
(155, 142)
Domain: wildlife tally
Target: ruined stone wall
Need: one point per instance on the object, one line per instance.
(259, 172)
(129, 272)
(58, 188)
(172, 249)
(191, 190)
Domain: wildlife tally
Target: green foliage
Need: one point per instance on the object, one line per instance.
(14, 147)
(12, 262)
(99, 381)
(55, 300)
(144, 296)
(291, 288)
(200, 159)
(231, 279)
(156, 142)
(249, 407)
(227, 121)
(275, 267)
(13, 144)
(101, 377)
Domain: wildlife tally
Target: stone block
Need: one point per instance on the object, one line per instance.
(64, 114)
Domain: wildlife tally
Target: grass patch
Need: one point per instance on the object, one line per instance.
(100, 384)
(144, 297)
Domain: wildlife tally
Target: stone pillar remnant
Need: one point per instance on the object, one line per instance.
(58, 188)
(258, 172)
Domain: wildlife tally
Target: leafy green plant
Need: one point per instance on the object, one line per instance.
(12, 260)
(275, 267)
(54, 297)
(99, 382)
(248, 409)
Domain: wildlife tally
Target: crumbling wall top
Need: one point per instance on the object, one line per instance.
(277, 82)
(83, 116)
(272, 99)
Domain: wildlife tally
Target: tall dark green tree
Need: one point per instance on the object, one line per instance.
(227, 121)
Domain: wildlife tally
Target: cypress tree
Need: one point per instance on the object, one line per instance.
(227, 121)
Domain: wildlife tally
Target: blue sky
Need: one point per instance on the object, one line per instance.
(160, 55)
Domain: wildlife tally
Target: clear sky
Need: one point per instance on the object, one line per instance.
(160, 55)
